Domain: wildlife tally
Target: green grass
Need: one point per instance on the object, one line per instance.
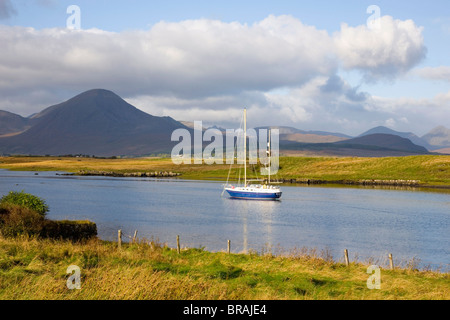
(36, 269)
(431, 170)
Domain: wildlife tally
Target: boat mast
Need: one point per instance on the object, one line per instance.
(269, 153)
(245, 147)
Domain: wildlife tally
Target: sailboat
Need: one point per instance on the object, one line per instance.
(253, 191)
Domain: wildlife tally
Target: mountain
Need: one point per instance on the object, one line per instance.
(438, 138)
(386, 141)
(292, 130)
(96, 122)
(292, 135)
(443, 151)
(11, 123)
(373, 145)
(408, 135)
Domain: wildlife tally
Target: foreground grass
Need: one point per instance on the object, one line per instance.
(432, 170)
(36, 269)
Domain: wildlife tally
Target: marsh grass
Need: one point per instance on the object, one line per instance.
(36, 269)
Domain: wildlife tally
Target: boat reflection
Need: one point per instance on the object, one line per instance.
(260, 213)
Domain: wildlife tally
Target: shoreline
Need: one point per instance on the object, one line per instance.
(432, 172)
(400, 183)
(345, 182)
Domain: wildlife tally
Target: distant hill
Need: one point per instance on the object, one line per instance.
(309, 138)
(443, 150)
(97, 122)
(292, 130)
(11, 123)
(386, 141)
(292, 135)
(438, 138)
(374, 145)
(408, 135)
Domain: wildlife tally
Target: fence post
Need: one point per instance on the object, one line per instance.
(346, 257)
(178, 244)
(119, 240)
(135, 236)
(229, 247)
(391, 261)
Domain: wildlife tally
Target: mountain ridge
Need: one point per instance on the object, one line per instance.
(99, 122)
(11, 123)
(96, 122)
(408, 135)
(374, 145)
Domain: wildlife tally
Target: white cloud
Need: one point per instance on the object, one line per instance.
(434, 73)
(390, 50)
(191, 58)
(210, 70)
(198, 58)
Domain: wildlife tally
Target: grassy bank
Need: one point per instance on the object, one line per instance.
(36, 269)
(429, 170)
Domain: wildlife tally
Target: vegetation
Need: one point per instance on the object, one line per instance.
(16, 221)
(25, 200)
(23, 214)
(37, 269)
(430, 170)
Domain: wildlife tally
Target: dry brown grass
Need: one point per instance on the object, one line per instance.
(36, 269)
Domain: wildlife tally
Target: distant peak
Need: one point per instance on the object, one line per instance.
(98, 92)
(95, 94)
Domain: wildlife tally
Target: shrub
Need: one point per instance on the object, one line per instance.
(69, 230)
(25, 200)
(24, 214)
(16, 220)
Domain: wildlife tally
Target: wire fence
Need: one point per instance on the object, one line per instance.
(385, 260)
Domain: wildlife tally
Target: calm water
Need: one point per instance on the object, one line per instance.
(370, 223)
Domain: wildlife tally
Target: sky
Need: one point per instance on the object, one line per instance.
(344, 66)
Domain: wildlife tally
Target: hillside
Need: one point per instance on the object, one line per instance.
(97, 122)
(296, 135)
(11, 123)
(373, 145)
(309, 138)
(385, 141)
(407, 135)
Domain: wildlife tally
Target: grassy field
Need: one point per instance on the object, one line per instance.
(37, 269)
(431, 170)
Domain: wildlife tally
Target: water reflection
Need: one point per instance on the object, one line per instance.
(255, 212)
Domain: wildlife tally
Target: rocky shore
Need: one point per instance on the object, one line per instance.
(153, 174)
(366, 182)
(303, 181)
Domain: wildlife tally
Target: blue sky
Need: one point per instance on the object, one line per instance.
(408, 90)
(117, 15)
